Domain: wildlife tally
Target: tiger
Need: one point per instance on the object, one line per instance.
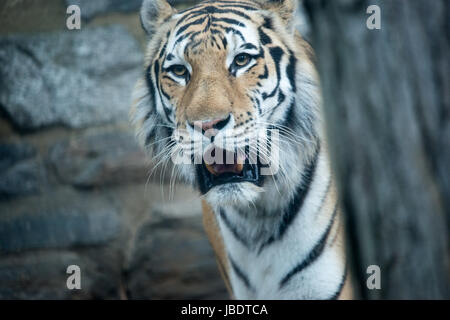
(217, 77)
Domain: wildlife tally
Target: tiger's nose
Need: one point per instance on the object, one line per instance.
(217, 124)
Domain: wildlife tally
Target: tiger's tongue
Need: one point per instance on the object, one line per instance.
(218, 169)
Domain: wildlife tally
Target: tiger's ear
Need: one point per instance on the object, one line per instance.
(153, 14)
(285, 9)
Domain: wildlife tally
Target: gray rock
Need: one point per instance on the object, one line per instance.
(90, 9)
(24, 178)
(42, 275)
(174, 260)
(99, 160)
(11, 153)
(21, 172)
(57, 221)
(71, 78)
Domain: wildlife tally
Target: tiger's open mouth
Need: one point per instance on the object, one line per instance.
(234, 169)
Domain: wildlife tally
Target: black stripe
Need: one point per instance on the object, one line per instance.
(191, 34)
(212, 10)
(233, 230)
(268, 23)
(167, 111)
(281, 97)
(341, 285)
(241, 275)
(279, 102)
(231, 21)
(163, 50)
(232, 11)
(265, 75)
(170, 57)
(304, 124)
(258, 106)
(151, 88)
(224, 42)
(208, 24)
(229, 29)
(188, 16)
(296, 203)
(165, 94)
(207, 11)
(265, 39)
(193, 23)
(291, 70)
(248, 8)
(248, 46)
(234, 3)
(277, 54)
(148, 78)
(223, 4)
(316, 251)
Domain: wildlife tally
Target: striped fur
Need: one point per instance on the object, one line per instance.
(281, 240)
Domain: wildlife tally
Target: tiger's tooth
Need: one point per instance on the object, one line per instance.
(240, 160)
(210, 169)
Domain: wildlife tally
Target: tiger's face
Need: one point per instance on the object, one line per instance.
(229, 97)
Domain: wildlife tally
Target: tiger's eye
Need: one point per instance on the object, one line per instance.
(242, 60)
(179, 70)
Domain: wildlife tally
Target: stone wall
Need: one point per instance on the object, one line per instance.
(74, 186)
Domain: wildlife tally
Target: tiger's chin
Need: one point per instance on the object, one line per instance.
(238, 194)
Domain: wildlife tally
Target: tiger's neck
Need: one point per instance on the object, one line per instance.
(285, 250)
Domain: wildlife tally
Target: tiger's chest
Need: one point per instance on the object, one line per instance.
(270, 273)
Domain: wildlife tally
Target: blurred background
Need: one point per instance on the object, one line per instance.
(74, 185)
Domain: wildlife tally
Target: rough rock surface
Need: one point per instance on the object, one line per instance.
(43, 275)
(100, 159)
(173, 259)
(59, 220)
(90, 9)
(77, 78)
(21, 172)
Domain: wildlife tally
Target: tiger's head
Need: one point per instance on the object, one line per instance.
(229, 97)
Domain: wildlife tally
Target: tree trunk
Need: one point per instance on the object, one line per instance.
(387, 110)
